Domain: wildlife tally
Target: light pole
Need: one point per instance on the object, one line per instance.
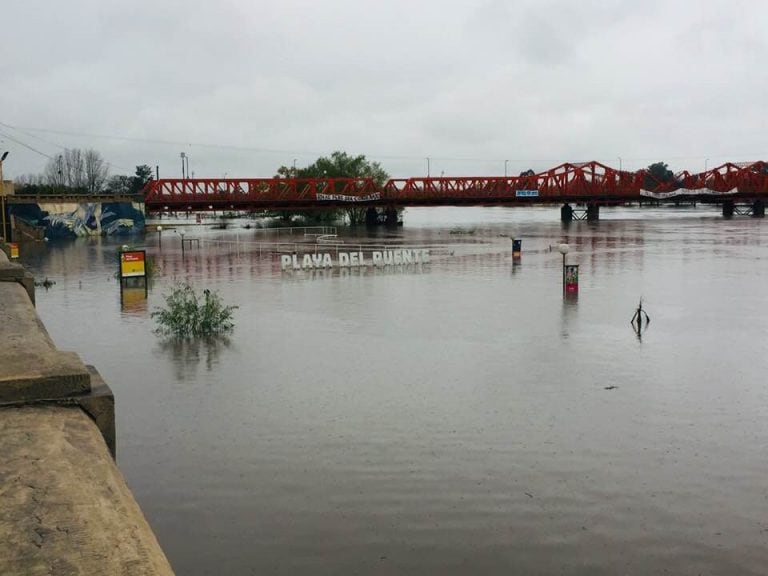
(427, 166)
(505, 168)
(619, 157)
(294, 167)
(2, 190)
(183, 168)
(564, 249)
(706, 163)
(159, 236)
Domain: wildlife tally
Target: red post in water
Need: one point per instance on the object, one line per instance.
(571, 279)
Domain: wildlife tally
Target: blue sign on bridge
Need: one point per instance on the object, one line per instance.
(527, 193)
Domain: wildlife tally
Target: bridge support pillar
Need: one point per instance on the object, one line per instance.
(758, 209)
(728, 208)
(566, 213)
(391, 215)
(593, 212)
(371, 217)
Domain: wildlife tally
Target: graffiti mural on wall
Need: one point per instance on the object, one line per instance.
(68, 220)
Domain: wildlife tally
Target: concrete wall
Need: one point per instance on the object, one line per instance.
(65, 507)
(7, 188)
(72, 219)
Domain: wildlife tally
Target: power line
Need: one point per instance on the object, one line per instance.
(25, 145)
(123, 168)
(162, 142)
(39, 138)
(520, 161)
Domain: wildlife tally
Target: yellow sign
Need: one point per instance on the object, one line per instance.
(14, 250)
(132, 264)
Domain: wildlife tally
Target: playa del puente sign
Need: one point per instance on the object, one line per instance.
(395, 257)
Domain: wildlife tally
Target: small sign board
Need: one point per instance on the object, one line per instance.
(133, 273)
(132, 264)
(14, 250)
(526, 193)
(571, 278)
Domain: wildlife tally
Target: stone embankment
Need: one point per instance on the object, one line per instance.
(64, 505)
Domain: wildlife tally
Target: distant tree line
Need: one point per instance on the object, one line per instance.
(81, 172)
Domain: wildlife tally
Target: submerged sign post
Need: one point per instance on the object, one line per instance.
(571, 278)
(133, 270)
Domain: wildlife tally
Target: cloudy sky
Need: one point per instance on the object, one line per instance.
(243, 86)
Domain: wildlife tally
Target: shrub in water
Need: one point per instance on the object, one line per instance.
(187, 316)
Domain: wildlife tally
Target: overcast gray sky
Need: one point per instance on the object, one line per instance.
(245, 86)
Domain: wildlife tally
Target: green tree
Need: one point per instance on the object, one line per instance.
(337, 165)
(657, 174)
(142, 175)
(122, 184)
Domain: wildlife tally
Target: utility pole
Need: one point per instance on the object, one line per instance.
(59, 163)
(2, 192)
(183, 167)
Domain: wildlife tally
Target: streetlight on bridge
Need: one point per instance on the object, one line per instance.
(620, 169)
(505, 168)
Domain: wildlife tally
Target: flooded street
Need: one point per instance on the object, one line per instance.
(455, 417)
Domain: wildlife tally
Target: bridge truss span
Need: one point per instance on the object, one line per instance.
(587, 182)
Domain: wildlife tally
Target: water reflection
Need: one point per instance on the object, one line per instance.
(187, 355)
(133, 301)
(569, 313)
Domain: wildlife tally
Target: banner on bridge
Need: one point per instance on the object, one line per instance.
(346, 198)
(686, 192)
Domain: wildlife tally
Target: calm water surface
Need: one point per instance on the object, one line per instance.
(451, 418)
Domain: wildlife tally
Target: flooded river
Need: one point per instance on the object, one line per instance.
(456, 417)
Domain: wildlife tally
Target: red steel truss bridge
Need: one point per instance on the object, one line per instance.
(590, 183)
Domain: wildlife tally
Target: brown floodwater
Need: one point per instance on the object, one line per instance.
(456, 417)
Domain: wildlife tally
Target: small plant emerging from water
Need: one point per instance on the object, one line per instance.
(187, 316)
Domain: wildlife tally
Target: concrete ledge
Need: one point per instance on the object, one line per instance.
(30, 365)
(12, 272)
(65, 506)
(98, 403)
